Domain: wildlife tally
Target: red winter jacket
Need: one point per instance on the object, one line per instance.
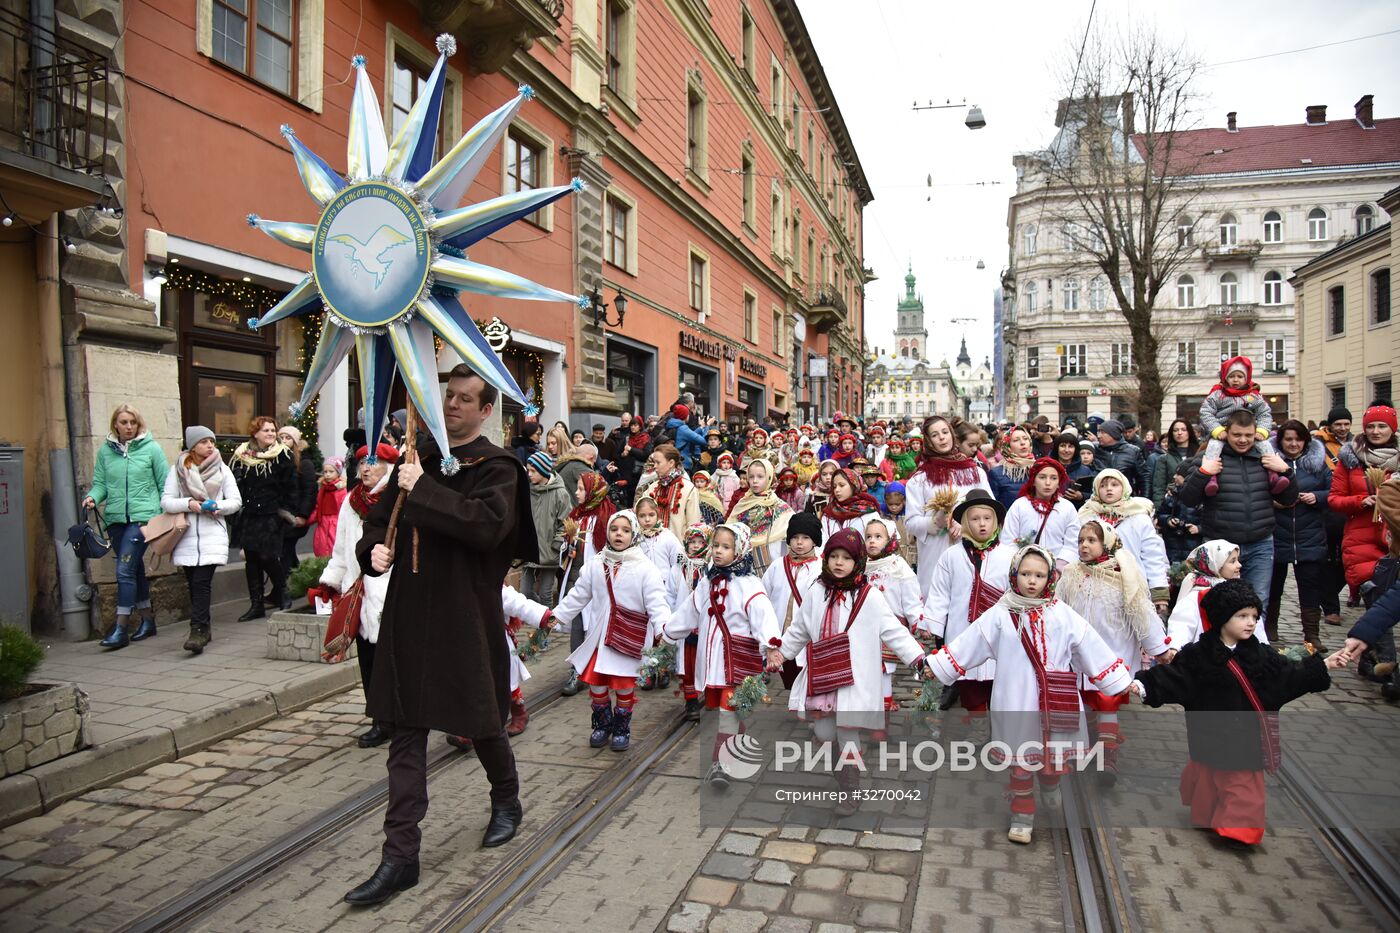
(1363, 539)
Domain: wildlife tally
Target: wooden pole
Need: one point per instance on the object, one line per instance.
(410, 455)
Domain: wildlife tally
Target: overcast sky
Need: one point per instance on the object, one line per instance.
(880, 55)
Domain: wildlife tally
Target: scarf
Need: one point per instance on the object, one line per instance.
(805, 471)
(667, 492)
(862, 503)
(903, 463)
(596, 505)
(693, 566)
(818, 486)
(642, 530)
(951, 469)
(850, 541)
(633, 552)
(259, 461)
(765, 514)
(1115, 569)
(1204, 563)
(202, 481)
(638, 441)
(1044, 506)
(1385, 457)
(742, 565)
(1013, 467)
(1020, 606)
(1126, 507)
(362, 498)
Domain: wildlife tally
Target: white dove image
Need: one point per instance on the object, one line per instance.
(369, 255)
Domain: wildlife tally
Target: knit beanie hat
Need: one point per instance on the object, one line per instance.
(196, 433)
(1113, 429)
(1227, 598)
(680, 411)
(1237, 366)
(542, 462)
(805, 523)
(1382, 413)
(1339, 413)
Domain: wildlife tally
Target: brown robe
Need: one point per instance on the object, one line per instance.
(441, 661)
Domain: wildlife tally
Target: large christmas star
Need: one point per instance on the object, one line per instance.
(387, 253)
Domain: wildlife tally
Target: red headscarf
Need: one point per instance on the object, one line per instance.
(862, 503)
(1043, 506)
(596, 505)
(1225, 368)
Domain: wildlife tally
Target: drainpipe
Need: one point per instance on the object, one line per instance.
(73, 588)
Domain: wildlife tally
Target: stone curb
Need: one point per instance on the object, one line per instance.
(40, 789)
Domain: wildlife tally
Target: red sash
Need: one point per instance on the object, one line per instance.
(792, 578)
(1269, 735)
(1059, 691)
(743, 656)
(829, 659)
(984, 595)
(344, 623)
(627, 628)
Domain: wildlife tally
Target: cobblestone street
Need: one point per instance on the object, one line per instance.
(105, 859)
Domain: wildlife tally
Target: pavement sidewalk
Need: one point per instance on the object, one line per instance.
(153, 702)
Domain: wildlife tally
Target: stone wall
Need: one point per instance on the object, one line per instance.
(298, 636)
(42, 726)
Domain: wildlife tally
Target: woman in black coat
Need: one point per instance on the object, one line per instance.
(267, 480)
(1300, 531)
(305, 501)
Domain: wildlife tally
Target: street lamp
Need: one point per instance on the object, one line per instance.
(975, 120)
(600, 308)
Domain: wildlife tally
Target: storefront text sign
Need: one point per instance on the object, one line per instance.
(713, 349)
(747, 365)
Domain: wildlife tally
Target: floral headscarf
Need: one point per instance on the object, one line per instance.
(1017, 603)
(597, 506)
(742, 566)
(1125, 507)
(656, 529)
(633, 551)
(1118, 569)
(850, 541)
(861, 503)
(1204, 563)
(764, 515)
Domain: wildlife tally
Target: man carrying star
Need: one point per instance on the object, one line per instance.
(441, 662)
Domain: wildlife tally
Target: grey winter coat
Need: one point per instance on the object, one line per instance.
(1300, 531)
(1243, 510)
(550, 504)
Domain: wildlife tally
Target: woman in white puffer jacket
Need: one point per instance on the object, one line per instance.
(202, 486)
(344, 568)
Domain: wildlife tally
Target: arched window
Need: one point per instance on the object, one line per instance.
(1229, 230)
(1071, 294)
(1032, 298)
(1069, 237)
(1273, 227)
(1229, 289)
(1029, 235)
(1365, 219)
(1184, 226)
(1098, 293)
(1317, 224)
(1273, 288)
(1185, 292)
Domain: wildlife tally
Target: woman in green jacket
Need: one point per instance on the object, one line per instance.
(127, 483)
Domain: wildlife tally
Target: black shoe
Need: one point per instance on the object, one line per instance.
(386, 881)
(255, 611)
(460, 742)
(693, 708)
(147, 628)
(504, 822)
(199, 638)
(571, 686)
(286, 604)
(116, 638)
(377, 735)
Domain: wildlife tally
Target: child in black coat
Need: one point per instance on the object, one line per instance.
(1232, 687)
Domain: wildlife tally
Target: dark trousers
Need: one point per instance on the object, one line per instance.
(201, 582)
(1336, 574)
(289, 549)
(1308, 575)
(408, 787)
(364, 653)
(254, 566)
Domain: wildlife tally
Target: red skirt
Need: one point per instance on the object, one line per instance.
(1229, 802)
(1103, 702)
(617, 682)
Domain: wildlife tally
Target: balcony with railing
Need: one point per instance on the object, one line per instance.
(1233, 315)
(53, 113)
(825, 309)
(1246, 251)
(492, 31)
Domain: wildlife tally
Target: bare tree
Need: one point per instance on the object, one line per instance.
(1121, 180)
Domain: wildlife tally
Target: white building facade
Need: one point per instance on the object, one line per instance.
(1269, 199)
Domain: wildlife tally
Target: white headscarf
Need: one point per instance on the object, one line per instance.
(1205, 562)
(891, 566)
(633, 551)
(1120, 571)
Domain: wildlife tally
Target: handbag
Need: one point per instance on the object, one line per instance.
(344, 623)
(829, 659)
(87, 542)
(1059, 692)
(627, 628)
(164, 531)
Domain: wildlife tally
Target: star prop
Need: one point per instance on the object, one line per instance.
(388, 254)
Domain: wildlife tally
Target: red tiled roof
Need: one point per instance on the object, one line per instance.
(1273, 148)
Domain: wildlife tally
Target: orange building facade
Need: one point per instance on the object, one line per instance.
(724, 195)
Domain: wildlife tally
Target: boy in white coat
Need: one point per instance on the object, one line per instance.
(788, 580)
(1041, 646)
(631, 597)
(733, 620)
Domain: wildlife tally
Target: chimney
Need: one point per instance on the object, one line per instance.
(1317, 114)
(1128, 128)
(1363, 113)
(1230, 123)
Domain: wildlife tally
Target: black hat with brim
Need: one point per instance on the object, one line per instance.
(979, 497)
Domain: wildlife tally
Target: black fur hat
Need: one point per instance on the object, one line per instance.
(805, 523)
(1227, 598)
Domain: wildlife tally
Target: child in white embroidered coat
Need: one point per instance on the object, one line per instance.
(788, 581)
(842, 624)
(1209, 565)
(970, 578)
(1131, 517)
(633, 599)
(1040, 516)
(658, 543)
(1040, 645)
(894, 578)
(519, 611)
(733, 619)
(1106, 586)
(685, 577)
